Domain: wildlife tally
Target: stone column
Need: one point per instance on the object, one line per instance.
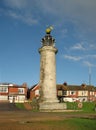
(48, 74)
(48, 92)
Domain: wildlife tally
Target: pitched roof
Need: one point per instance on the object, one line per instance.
(75, 87)
(70, 87)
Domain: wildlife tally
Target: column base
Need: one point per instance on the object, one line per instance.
(52, 107)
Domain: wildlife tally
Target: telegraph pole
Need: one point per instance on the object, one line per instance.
(89, 75)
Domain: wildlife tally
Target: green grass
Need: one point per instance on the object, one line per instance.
(80, 124)
(67, 124)
(20, 106)
(87, 106)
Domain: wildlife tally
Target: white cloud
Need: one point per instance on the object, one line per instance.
(87, 60)
(20, 10)
(89, 64)
(92, 56)
(26, 18)
(83, 46)
(74, 58)
(77, 58)
(78, 46)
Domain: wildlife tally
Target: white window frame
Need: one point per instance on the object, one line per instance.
(3, 89)
(21, 91)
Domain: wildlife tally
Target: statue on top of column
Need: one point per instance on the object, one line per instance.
(49, 29)
(48, 40)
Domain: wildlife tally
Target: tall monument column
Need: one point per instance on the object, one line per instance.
(48, 92)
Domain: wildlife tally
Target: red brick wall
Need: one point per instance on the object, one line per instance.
(32, 92)
(13, 90)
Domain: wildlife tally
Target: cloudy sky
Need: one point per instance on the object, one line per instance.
(22, 26)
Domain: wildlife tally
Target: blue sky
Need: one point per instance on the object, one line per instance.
(22, 26)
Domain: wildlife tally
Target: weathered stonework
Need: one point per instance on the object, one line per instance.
(48, 74)
(48, 92)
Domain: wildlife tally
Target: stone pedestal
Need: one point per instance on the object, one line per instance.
(52, 107)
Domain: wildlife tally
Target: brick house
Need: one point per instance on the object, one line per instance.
(17, 93)
(69, 93)
(73, 93)
(34, 92)
(4, 92)
(13, 92)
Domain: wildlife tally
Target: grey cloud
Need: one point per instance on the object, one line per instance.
(16, 3)
(80, 12)
(70, 8)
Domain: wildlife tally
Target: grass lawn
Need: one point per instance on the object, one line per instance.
(70, 122)
(86, 106)
(79, 124)
(20, 106)
(67, 124)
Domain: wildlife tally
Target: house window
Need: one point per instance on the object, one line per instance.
(21, 90)
(59, 92)
(64, 93)
(37, 92)
(91, 93)
(72, 92)
(83, 93)
(3, 89)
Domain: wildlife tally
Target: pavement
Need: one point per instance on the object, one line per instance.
(6, 106)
